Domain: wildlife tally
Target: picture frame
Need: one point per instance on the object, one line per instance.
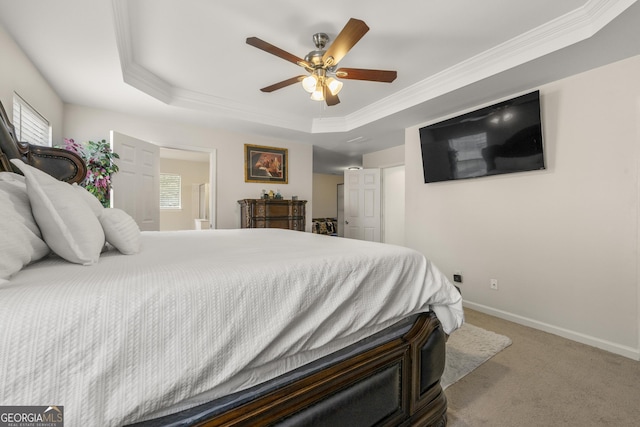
(266, 164)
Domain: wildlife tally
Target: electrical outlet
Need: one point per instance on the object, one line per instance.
(494, 284)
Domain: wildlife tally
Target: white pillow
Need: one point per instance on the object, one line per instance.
(120, 230)
(91, 200)
(67, 223)
(20, 241)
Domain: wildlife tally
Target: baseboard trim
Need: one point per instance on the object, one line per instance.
(631, 353)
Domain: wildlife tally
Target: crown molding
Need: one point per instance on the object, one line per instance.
(132, 73)
(233, 109)
(144, 80)
(571, 28)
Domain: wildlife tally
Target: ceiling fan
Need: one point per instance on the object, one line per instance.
(322, 81)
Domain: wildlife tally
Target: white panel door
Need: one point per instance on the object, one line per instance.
(362, 204)
(136, 186)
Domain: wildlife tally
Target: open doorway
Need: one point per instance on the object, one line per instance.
(187, 189)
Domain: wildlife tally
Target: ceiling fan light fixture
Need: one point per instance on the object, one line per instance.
(317, 95)
(334, 85)
(309, 83)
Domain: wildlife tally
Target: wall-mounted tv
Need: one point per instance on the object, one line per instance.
(502, 138)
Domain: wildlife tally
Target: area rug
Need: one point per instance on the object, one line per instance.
(468, 348)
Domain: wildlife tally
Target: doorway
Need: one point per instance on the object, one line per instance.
(362, 204)
(194, 170)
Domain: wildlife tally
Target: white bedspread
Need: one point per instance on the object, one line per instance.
(199, 311)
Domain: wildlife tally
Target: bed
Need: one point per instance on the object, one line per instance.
(217, 327)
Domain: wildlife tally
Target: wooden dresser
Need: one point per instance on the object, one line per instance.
(272, 213)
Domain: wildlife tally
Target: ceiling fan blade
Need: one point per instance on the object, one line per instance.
(282, 84)
(348, 37)
(385, 76)
(330, 98)
(269, 48)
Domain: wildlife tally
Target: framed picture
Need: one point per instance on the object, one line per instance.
(265, 164)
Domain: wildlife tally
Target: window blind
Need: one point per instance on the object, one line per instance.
(170, 196)
(30, 125)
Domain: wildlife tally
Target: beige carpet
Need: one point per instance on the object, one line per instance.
(545, 380)
(468, 348)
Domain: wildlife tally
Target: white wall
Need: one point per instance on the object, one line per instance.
(563, 243)
(18, 74)
(191, 173)
(83, 123)
(325, 195)
(393, 203)
(393, 156)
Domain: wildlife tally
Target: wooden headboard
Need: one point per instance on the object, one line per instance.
(61, 164)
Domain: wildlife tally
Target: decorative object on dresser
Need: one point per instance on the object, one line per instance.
(266, 164)
(272, 213)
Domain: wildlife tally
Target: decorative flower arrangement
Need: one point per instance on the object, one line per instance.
(100, 166)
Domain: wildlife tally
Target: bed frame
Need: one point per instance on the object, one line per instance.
(396, 383)
(62, 164)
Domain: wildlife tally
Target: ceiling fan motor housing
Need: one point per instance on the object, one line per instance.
(320, 40)
(315, 56)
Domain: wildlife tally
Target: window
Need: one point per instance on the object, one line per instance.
(30, 125)
(170, 197)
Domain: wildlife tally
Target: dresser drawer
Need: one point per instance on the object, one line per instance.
(261, 213)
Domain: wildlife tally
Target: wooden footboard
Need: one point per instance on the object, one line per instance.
(395, 384)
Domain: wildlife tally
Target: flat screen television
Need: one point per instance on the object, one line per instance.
(502, 138)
